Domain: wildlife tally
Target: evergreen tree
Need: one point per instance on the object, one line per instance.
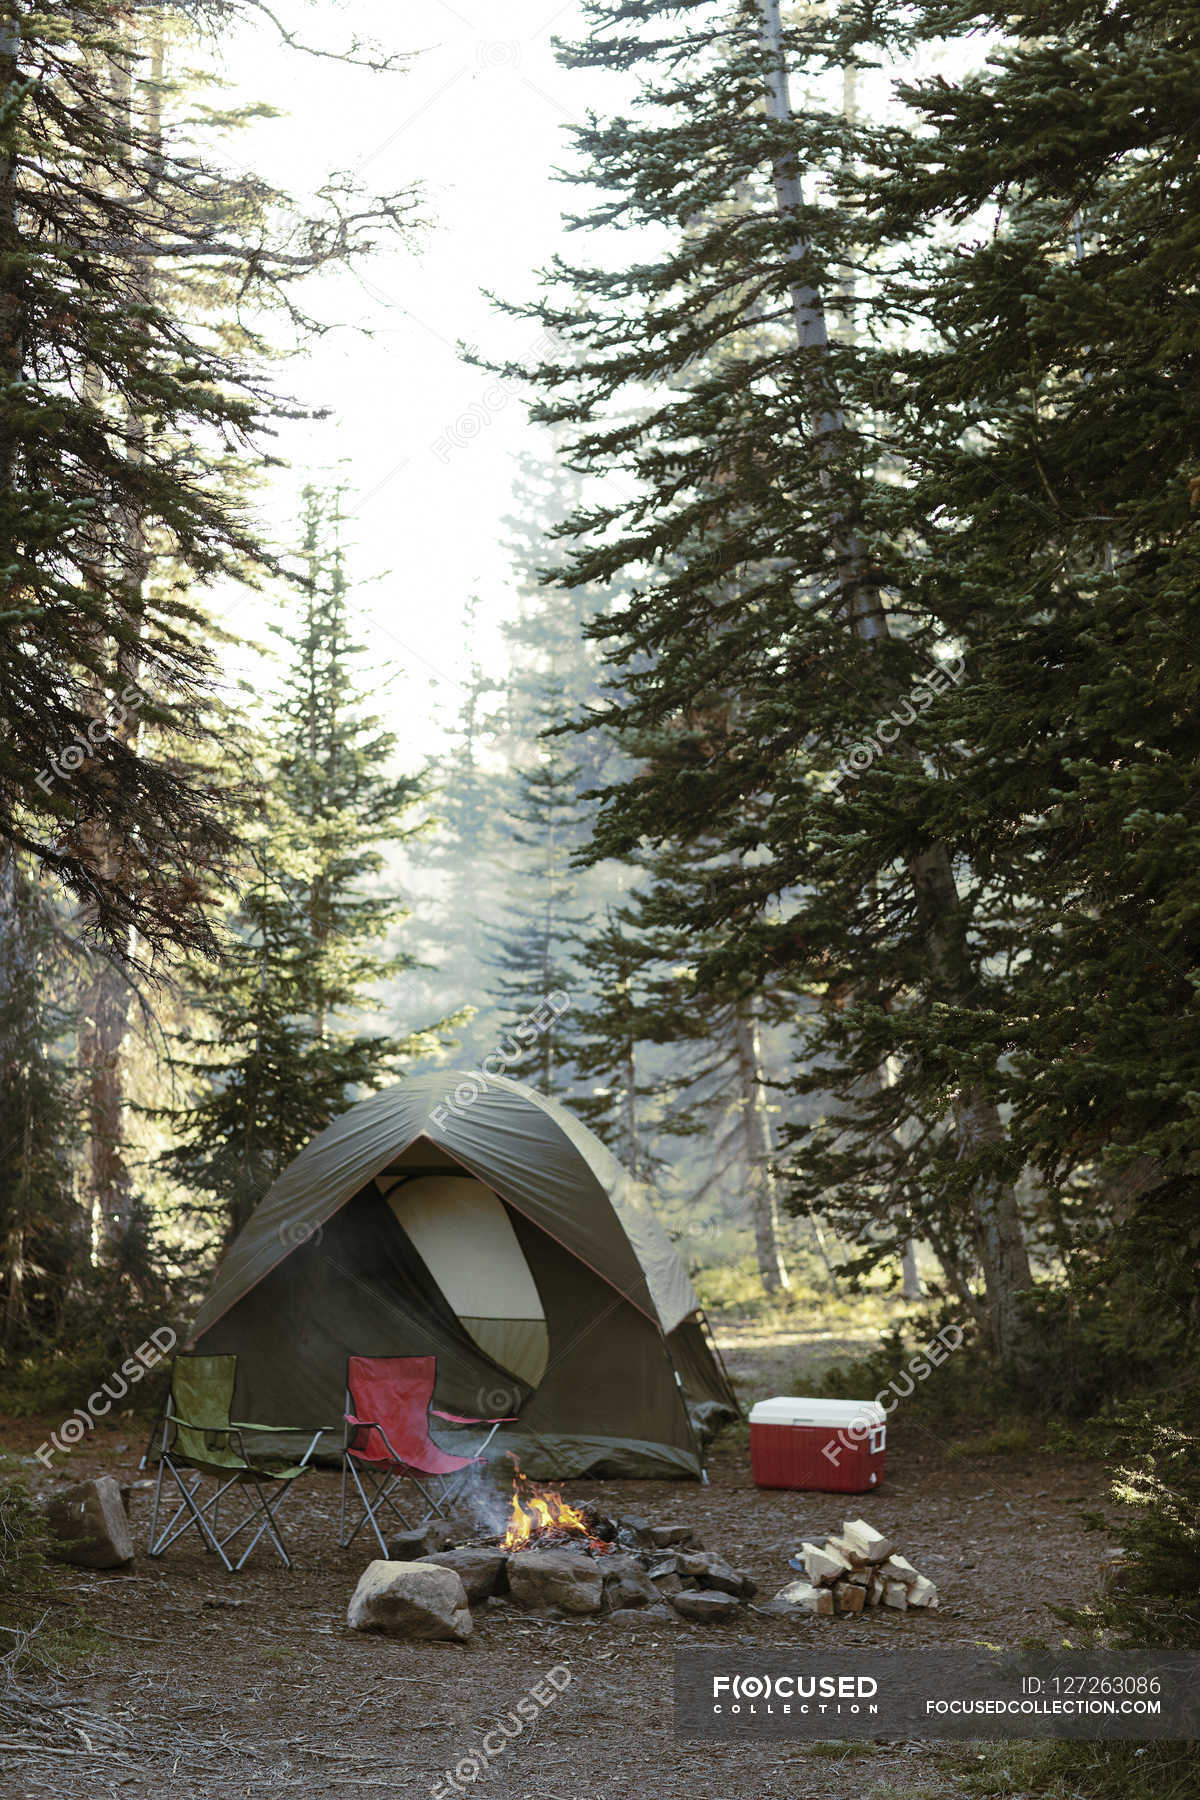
(534, 956)
(715, 1094)
(43, 1240)
(284, 1050)
(768, 555)
(124, 423)
(1048, 435)
(465, 855)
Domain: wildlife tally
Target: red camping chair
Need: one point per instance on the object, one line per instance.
(386, 1440)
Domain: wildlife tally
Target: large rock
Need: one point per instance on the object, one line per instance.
(631, 1590)
(89, 1525)
(665, 1537)
(411, 1600)
(644, 1615)
(481, 1570)
(626, 1583)
(415, 1546)
(410, 1546)
(719, 1575)
(621, 1562)
(707, 1606)
(563, 1578)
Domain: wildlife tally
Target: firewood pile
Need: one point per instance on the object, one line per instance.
(854, 1570)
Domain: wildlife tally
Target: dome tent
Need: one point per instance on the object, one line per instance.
(502, 1237)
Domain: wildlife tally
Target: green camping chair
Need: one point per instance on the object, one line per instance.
(199, 1437)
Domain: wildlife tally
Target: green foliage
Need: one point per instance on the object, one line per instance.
(534, 955)
(280, 1051)
(1014, 1439)
(24, 1581)
(131, 395)
(1074, 1771)
(39, 1125)
(1157, 1484)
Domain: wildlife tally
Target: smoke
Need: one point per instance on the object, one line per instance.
(485, 1495)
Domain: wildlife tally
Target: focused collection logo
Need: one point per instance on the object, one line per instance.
(785, 1694)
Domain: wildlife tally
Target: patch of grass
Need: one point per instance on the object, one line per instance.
(1106, 1771)
(37, 1633)
(1005, 1440)
(274, 1653)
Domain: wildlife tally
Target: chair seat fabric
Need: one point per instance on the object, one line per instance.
(395, 1392)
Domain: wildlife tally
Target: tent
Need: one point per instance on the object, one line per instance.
(503, 1237)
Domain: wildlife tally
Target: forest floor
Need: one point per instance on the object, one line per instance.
(216, 1687)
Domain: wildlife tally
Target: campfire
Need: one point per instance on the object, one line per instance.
(542, 1519)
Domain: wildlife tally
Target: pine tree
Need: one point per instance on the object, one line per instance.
(129, 407)
(534, 956)
(42, 1231)
(284, 1050)
(608, 1034)
(1049, 456)
(768, 554)
(464, 856)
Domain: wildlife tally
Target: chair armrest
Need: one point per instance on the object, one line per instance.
(249, 1425)
(373, 1425)
(191, 1425)
(458, 1419)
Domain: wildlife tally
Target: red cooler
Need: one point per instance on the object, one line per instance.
(832, 1446)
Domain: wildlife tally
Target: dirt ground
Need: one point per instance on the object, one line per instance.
(215, 1687)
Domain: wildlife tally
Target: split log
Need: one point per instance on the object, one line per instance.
(923, 1593)
(823, 1566)
(868, 1543)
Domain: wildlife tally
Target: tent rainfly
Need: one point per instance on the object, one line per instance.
(500, 1236)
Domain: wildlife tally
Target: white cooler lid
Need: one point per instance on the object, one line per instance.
(796, 1410)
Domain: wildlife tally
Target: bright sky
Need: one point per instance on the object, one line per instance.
(424, 443)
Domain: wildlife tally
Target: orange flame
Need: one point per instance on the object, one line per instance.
(536, 1510)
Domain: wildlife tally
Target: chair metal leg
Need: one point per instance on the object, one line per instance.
(371, 1503)
(268, 1525)
(191, 1514)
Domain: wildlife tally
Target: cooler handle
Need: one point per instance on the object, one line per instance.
(876, 1440)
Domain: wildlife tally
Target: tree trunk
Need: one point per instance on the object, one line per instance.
(755, 1133)
(999, 1233)
(911, 1285)
(106, 1009)
(12, 298)
(632, 1137)
(107, 1181)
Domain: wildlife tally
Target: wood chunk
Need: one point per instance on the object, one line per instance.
(923, 1593)
(868, 1543)
(898, 1568)
(895, 1595)
(875, 1589)
(802, 1596)
(862, 1577)
(849, 1598)
(823, 1566)
(841, 1546)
